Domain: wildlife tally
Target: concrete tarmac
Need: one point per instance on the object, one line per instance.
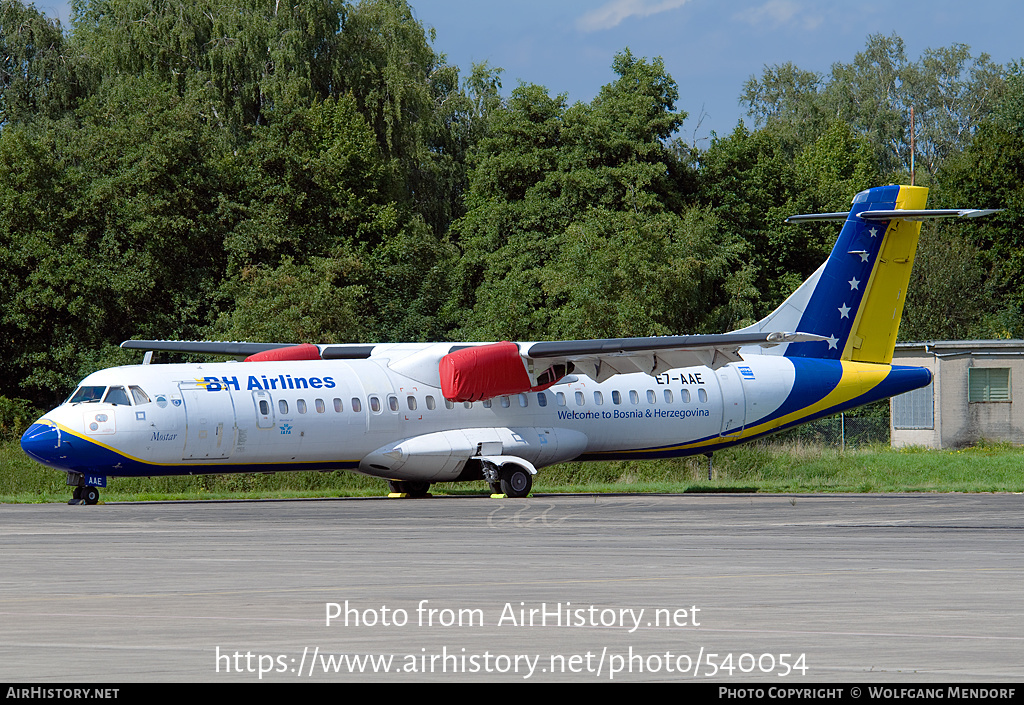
(779, 589)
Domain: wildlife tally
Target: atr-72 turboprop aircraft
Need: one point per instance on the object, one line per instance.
(416, 414)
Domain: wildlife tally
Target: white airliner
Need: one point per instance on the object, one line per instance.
(416, 414)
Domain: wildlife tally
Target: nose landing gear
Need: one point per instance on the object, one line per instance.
(83, 493)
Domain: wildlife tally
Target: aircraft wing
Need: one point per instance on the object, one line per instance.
(250, 350)
(476, 371)
(602, 359)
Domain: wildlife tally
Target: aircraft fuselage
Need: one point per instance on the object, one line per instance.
(362, 415)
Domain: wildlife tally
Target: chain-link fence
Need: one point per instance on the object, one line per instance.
(841, 431)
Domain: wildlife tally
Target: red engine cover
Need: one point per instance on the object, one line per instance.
(293, 352)
(483, 372)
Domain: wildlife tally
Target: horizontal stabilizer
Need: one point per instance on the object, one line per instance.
(898, 214)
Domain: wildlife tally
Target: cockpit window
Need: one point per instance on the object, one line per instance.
(86, 393)
(139, 396)
(117, 395)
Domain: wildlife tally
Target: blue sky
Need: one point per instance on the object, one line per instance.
(710, 47)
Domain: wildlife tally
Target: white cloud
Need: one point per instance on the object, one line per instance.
(611, 14)
(776, 13)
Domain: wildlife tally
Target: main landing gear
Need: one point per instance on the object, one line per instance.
(410, 488)
(510, 480)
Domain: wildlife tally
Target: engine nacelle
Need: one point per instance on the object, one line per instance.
(488, 371)
(441, 456)
(304, 351)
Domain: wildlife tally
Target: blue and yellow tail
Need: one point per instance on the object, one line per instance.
(855, 299)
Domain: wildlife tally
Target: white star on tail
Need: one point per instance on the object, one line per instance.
(832, 340)
(854, 283)
(844, 311)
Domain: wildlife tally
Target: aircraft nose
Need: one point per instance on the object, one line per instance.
(42, 442)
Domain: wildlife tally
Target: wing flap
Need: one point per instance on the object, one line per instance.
(602, 359)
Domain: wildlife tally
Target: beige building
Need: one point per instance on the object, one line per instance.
(973, 395)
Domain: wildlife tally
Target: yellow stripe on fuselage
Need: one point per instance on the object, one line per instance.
(858, 378)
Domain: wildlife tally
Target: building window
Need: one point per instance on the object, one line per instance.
(915, 409)
(988, 384)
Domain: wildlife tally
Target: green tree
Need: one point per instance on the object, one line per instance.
(250, 59)
(108, 228)
(978, 266)
(753, 183)
(567, 204)
(950, 90)
(36, 70)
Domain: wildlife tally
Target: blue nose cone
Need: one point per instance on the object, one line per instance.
(42, 443)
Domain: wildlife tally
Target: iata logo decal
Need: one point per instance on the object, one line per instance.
(286, 429)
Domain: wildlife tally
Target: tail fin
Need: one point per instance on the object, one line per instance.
(855, 299)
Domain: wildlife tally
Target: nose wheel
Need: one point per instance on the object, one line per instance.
(85, 495)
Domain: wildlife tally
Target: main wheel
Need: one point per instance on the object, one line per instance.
(91, 495)
(409, 487)
(417, 489)
(516, 481)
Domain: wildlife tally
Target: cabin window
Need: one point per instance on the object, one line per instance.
(542, 399)
(431, 404)
(579, 399)
(560, 398)
(449, 404)
(117, 395)
(375, 405)
(598, 398)
(523, 400)
(616, 397)
(320, 406)
(282, 406)
(651, 396)
(468, 404)
(264, 407)
(702, 395)
(684, 396)
(337, 405)
(300, 406)
(668, 396)
(139, 396)
(487, 403)
(357, 405)
(411, 402)
(505, 402)
(634, 398)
